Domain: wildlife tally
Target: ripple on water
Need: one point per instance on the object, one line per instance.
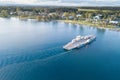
(19, 58)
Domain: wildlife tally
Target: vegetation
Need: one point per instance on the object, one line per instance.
(4, 13)
(89, 24)
(97, 16)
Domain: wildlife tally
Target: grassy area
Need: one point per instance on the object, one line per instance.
(93, 10)
(88, 23)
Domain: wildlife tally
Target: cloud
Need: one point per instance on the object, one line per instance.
(65, 2)
(18, 1)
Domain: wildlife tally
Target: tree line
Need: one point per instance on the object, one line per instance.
(42, 12)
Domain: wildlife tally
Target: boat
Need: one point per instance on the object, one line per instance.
(79, 41)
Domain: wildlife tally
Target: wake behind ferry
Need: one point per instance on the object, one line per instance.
(79, 41)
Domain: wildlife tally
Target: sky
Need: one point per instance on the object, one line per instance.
(64, 2)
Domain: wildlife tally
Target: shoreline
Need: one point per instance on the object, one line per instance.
(109, 27)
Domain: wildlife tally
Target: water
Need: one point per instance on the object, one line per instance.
(32, 50)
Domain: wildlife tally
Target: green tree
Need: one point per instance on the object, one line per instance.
(4, 13)
(39, 18)
(66, 14)
(73, 14)
(18, 10)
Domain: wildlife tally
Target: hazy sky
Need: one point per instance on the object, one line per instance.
(64, 2)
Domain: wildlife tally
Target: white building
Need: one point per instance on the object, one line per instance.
(71, 17)
(78, 15)
(113, 22)
(97, 17)
(50, 14)
(116, 21)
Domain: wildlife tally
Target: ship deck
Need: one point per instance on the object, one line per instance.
(79, 43)
(70, 45)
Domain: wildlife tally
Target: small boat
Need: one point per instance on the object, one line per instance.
(79, 41)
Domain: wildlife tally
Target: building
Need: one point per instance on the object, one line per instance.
(116, 21)
(113, 22)
(50, 14)
(71, 17)
(78, 15)
(97, 17)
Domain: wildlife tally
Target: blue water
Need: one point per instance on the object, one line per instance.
(32, 50)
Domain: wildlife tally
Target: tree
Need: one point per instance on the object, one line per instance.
(39, 18)
(4, 13)
(18, 10)
(90, 15)
(73, 14)
(66, 14)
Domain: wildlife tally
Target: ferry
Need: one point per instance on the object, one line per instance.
(79, 41)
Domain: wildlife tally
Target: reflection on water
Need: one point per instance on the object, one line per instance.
(101, 31)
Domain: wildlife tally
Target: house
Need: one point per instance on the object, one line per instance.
(67, 15)
(63, 17)
(97, 17)
(113, 22)
(43, 14)
(26, 13)
(116, 21)
(12, 13)
(71, 17)
(29, 13)
(78, 15)
(50, 14)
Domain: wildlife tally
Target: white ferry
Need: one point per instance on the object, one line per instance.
(79, 41)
